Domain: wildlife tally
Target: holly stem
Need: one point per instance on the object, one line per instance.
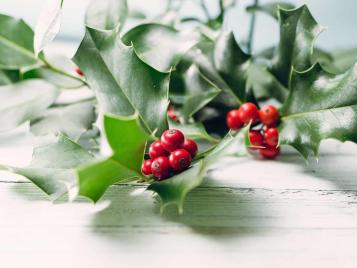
(251, 29)
(62, 72)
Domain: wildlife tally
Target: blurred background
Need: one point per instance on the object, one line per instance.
(339, 17)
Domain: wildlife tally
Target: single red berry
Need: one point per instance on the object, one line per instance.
(156, 149)
(256, 139)
(79, 71)
(161, 168)
(171, 113)
(269, 115)
(271, 136)
(146, 167)
(269, 152)
(172, 139)
(233, 120)
(248, 112)
(180, 159)
(190, 146)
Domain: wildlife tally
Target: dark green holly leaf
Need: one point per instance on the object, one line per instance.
(53, 167)
(48, 24)
(160, 46)
(337, 61)
(9, 77)
(102, 56)
(71, 120)
(232, 63)
(24, 101)
(264, 84)
(320, 106)
(270, 8)
(16, 44)
(298, 31)
(106, 14)
(123, 165)
(175, 189)
(198, 92)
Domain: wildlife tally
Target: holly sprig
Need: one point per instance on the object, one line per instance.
(133, 74)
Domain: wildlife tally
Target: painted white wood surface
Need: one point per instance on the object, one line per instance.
(248, 213)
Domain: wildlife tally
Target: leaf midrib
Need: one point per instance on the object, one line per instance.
(315, 111)
(17, 47)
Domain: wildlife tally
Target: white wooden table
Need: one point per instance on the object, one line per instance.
(249, 213)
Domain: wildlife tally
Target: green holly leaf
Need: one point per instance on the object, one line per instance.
(71, 120)
(270, 8)
(160, 46)
(106, 14)
(264, 84)
(298, 31)
(174, 190)
(16, 44)
(321, 105)
(9, 77)
(123, 165)
(24, 101)
(48, 24)
(53, 166)
(198, 92)
(102, 56)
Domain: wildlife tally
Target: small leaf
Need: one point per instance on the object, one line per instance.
(53, 167)
(320, 106)
(48, 24)
(106, 14)
(16, 44)
(160, 46)
(270, 8)
(72, 120)
(298, 31)
(116, 90)
(9, 77)
(24, 101)
(124, 165)
(199, 91)
(175, 189)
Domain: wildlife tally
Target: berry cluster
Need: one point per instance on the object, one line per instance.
(172, 153)
(266, 139)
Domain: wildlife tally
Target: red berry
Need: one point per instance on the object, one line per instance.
(79, 71)
(248, 112)
(190, 146)
(233, 120)
(269, 115)
(269, 152)
(256, 139)
(271, 136)
(172, 114)
(172, 139)
(161, 168)
(156, 149)
(146, 167)
(180, 159)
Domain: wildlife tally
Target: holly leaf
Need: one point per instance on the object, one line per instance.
(24, 101)
(298, 31)
(321, 105)
(106, 14)
(198, 92)
(160, 46)
(52, 168)
(16, 44)
(270, 9)
(71, 120)
(116, 90)
(9, 77)
(48, 24)
(174, 190)
(123, 165)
